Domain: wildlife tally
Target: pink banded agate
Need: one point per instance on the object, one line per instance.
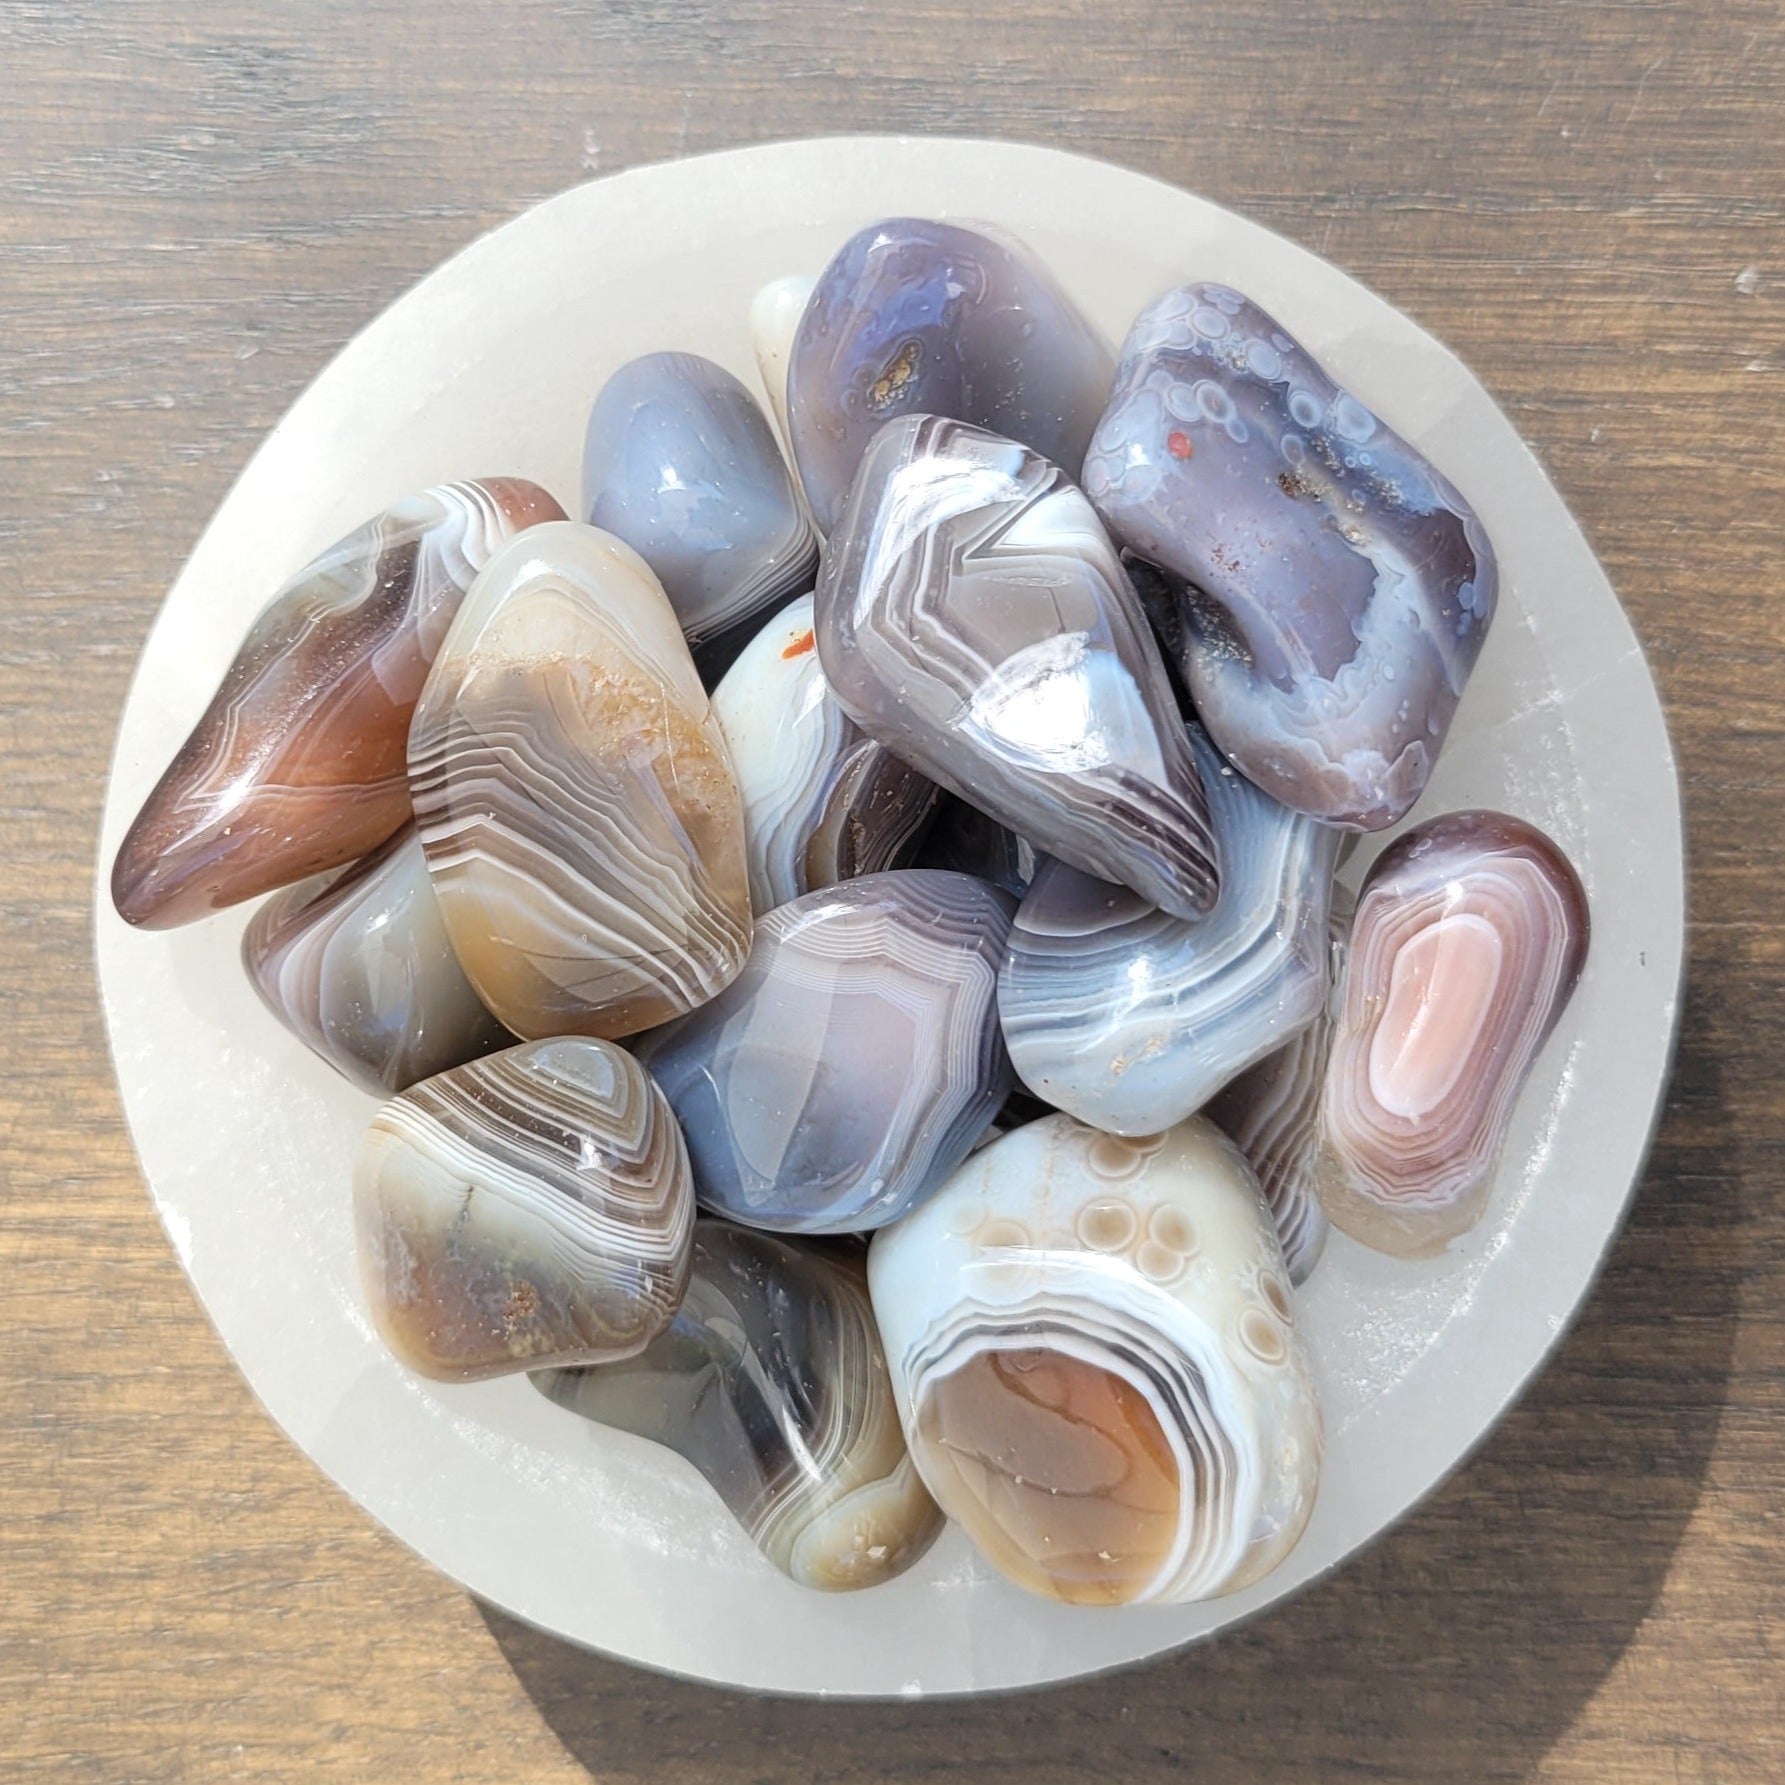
(1471, 933)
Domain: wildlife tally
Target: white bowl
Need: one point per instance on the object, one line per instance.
(247, 1140)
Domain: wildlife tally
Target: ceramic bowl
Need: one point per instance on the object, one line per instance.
(247, 1141)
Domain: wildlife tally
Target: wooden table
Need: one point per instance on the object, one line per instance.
(200, 203)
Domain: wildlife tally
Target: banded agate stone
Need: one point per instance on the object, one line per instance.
(974, 618)
(919, 318)
(1131, 1018)
(1096, 1361)
(770, 1380)
(359, 968)
(1470, 936)
(855, 1060)
(1340, 588)
(297, 764)
(682, 465)
(530, 1208)
(822, 801)
(576, 801)
(1271, 1112)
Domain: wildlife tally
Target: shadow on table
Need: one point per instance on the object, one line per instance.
(1459, 1648)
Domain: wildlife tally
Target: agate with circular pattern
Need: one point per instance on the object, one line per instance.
(1095, 1356)
(1339, 589)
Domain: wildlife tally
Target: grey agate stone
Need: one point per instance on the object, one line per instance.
(358, 966)
(1340, 587)
(852, 1065)
(682, 465)
(1131, 1019)
(921, 318)
(1271, 1112)
(770, 1380)
(973, 617)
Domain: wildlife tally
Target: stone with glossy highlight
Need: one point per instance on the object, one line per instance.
(913, 317)
(854, 1061)
(1271, 1112)
(575, 797)
(1095, 1356)
(359, 968)
(973, 616)
(771, 1381)
(527, 1209)
(822, 801)
(297, 764)
(1471, 933)
(682, 464)
(1340, 588)
(775, 314)
(1131, 1018)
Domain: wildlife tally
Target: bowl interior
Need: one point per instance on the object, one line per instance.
(247, 1140)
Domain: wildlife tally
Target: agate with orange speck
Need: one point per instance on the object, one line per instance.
(1096, 1360)
(823, 802)
(298, 763)
(1470, 936)
(1337, 589)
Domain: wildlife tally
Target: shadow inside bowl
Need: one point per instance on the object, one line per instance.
(1460, 1647)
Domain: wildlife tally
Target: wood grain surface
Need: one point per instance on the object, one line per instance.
(199, 203)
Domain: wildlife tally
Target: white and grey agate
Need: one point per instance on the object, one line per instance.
(1271, 1113)
(823, 802)
(853, 1063)
(530, 1208)
(973, 616)
(682, 464)
(919, 318)
(1095, 1357)
(1131, 1018)
(1339, 587)
(771, 1381)
(358, 966)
